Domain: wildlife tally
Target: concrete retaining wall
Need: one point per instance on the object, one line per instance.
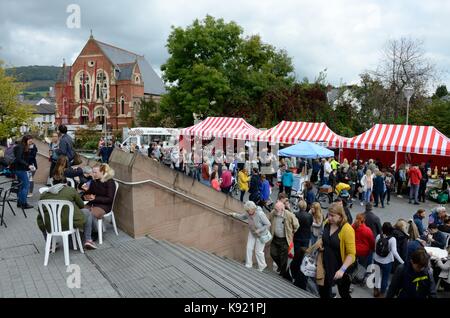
(147, 209)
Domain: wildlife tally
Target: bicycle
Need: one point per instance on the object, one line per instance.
(324, 197)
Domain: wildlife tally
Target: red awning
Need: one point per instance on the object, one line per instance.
(401, 138)
(291, 132)
(222, 127)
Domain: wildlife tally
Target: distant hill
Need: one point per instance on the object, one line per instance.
(34, 73)
(37, 79)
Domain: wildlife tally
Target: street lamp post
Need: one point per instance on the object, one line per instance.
(104, 92)
(408, 91)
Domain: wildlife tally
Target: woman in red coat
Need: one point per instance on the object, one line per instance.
(365, 242)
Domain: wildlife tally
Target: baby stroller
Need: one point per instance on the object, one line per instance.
(234, 190)
(344, 195)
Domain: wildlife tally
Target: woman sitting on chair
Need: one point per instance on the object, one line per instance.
(61, 191)
(100, 195)
(62, 168)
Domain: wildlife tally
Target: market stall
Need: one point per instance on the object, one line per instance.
(305, 150)
(290, 132)
(399, 144)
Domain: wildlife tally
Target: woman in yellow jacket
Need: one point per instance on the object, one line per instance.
(243, 180)
(339, 252)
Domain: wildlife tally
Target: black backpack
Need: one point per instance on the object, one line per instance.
(9, 155)
(382, 247)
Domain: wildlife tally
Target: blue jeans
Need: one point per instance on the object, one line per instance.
(89, 225)
(367, 196)
(325, 181)
(385, 272)
(414, 193)
(205, 182)
(24, 186)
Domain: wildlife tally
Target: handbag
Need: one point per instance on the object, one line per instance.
(265, 237)
(97, 212)
(357, 273)
(76, 159)
(309, 265)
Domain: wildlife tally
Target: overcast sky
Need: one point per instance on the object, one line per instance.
(343, 36)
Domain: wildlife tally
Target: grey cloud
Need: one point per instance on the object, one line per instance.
(343, 36)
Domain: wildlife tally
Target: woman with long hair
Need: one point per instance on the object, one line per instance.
(63, 170)
(21, 168)
(367, 185)
(317, 226)
(100, 195)
(385, 252)
(339, 252)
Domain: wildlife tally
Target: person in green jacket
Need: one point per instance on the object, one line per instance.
(61, 191)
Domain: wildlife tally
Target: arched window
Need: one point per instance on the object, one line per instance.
(84, 118)
(100, 114)
(122, 105)
(101, 81)
(84, 90)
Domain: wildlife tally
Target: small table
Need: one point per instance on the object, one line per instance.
(436, 252)
(43, 189)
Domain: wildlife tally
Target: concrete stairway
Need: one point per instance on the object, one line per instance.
(234, 278)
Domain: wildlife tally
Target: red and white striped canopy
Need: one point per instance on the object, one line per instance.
(291, 132)
(401, 138)
(222, 127)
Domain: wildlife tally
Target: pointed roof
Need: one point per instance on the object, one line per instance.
(291, 132)
(152, 82)
(402, 138)
(222, 127)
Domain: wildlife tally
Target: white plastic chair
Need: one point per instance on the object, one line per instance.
(71, 182)
(54, 209)
(101, 228)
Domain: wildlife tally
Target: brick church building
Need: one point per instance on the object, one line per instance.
(104, 82)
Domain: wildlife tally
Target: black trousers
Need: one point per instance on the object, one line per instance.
(343, 286)
(242, 195)
(422, 189)
(299, 252)
(279, 253)
(288, 190)
(280, 188)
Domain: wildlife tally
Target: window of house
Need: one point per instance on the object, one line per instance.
(122, 105)
(101, 82)
(84, 116)
(84, 86)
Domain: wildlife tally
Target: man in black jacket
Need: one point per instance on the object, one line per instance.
(254, 186)
(65, 144)
(436, 237)
(413, 279)
(372, 221)
(301, 243)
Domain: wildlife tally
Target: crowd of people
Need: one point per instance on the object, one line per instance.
(340, 247)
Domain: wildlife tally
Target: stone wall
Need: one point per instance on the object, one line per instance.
(148, 209)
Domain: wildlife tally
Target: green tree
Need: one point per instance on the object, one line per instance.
(12, 113)
(441, 91)
(148, 114)
(214, 70)
(436, 114)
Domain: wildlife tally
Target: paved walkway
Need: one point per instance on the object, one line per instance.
(123, 267)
